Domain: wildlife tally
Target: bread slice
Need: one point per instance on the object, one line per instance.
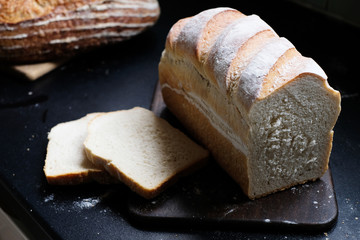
(142, 150)
(66, 162)
(264, 111)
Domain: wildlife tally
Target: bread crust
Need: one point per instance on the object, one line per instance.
(134, 185)
(78, 178)
(221, 148)
(56, 29)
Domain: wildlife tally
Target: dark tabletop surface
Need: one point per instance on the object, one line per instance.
(125, 75)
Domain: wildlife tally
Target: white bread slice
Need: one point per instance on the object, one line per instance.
(264, 111)
(142, 150)
(66, 162)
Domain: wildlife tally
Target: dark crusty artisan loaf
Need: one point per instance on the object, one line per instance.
(264, 111)
(41, 30)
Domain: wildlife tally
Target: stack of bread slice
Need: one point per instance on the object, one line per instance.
(131, 146)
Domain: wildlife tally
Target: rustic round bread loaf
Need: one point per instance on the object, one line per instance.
(32, 31)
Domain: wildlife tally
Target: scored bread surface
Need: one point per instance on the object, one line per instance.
(32, 31)
(142, 150)
(263, 110)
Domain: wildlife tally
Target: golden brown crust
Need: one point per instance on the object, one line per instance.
(73, 26)
(198, 49)
(175, 31)
(244, 54)
(212, 30)
(81, 177)
(14, 11)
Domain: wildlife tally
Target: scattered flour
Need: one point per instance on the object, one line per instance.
(86, 203)
(49, 198)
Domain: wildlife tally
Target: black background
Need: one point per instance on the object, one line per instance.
(125, 75)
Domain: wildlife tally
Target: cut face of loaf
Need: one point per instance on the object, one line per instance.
(66, 162)
(264, 111)
(45, 30)
(142, 150)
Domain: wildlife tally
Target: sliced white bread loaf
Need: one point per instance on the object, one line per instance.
(264, 111)
(142, 150)
(66, 162)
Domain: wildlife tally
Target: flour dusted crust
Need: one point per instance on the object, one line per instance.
(264, 111)
(18, 11)
(44, 30)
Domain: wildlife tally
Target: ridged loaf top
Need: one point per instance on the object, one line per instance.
(244, 57)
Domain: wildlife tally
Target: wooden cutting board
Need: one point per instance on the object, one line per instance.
(210, 198)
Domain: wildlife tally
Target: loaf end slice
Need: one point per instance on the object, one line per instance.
(292, 133)
(66, 162)
(142, 150)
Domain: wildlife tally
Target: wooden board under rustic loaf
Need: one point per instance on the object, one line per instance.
(31, 31)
